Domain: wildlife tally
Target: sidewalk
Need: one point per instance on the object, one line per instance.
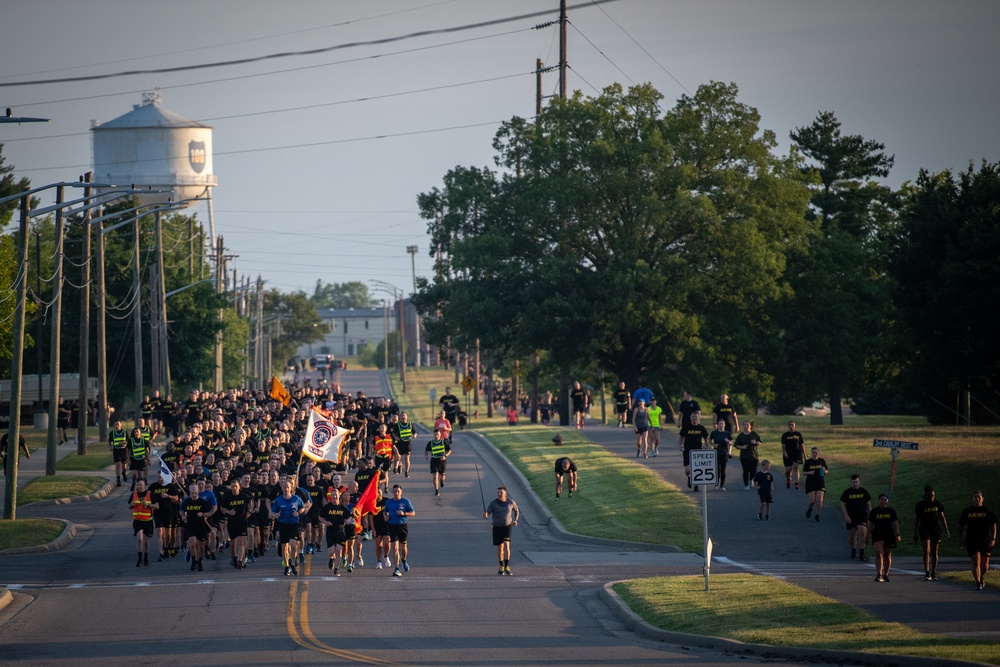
(815, 555)
(29, 469)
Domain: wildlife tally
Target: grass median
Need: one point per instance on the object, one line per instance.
(761, 610)
(29, 532)
(97, 458)
(54, 487)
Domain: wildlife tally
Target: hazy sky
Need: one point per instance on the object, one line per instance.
(319, 158)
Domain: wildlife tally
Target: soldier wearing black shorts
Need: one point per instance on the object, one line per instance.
(980, 526)
(565, 467)
(438, 450)
(333, 515)
(194, 515)
(928, 522)
(856, 505)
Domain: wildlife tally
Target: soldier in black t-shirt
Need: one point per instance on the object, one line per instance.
(928, 521)
(333, 515)
(451, 404)
(623, 401)
(856, 505)
(578, 397)
(688, 407)
(235, 505)
(565, 467)
(692, 436)
(793, 454)
(980, 526)
(726, 411)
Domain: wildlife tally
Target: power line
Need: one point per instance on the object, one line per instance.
(237, 42)
(291, 146)
(290, 54)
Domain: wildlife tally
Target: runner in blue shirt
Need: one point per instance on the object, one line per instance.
(287, 508)
(397, 510)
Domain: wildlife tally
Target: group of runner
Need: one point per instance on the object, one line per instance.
(878, 525)
(236, 480)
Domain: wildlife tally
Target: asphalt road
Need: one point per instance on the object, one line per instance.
(89, 605)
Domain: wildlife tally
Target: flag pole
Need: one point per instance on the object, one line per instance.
(482, 496)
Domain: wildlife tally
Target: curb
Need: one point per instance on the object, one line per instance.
(541, 512)
(67, 535)
(100, 494)
(641, 627)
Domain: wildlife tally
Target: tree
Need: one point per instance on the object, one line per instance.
(8, 263)
(616, 231)
(292, 320)
(833, 324)
(946, 272)
(352, 294)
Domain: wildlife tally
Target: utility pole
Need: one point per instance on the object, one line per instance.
(54, 357)
(402, 341)
(538, 87)
(259, 349)
(154, 329)
(220, 273)
(137, 319)
(102, 342)
(163, 359)
(81, 433)
(14, 432)
(562, 48)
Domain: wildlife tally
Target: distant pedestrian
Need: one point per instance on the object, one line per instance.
(883, 527)
(565, 468)
(979, 524)
(856, 505)
(688, 407)
(747, 442)
(928, 522)
(764, 481)
(437, 451)
(640, 423)
(623, 403)
(580, 405)
(815, 470)
(504, 513)
(655, 413)
(722, 439)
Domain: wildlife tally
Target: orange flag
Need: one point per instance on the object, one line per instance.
(278, 392)
(366, 503)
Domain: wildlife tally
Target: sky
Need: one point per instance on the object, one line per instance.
(320, 158)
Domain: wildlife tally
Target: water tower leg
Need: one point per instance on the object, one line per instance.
(211, 217)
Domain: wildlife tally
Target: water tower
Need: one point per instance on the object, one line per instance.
(151, 146)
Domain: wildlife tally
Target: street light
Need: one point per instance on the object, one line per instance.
(397, 293)
(412, 249)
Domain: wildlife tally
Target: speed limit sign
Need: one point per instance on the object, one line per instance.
(703, 467)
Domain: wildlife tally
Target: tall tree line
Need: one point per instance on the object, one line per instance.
(613, 238)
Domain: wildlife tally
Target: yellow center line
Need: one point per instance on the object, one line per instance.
(298, 618)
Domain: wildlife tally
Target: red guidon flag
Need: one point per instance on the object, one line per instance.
(323, 438)
(366, 503)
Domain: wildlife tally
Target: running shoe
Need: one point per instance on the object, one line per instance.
(406, 566)
(200, 566)
(336, 571)
(378, 565)
(407, 474)
(981, 585)
(886, 578)
(360, 562)
(442, 483)
(927, 577)
(654, 453)
(350, 568)
(722, 488)
(211, 555)
(796, 486)
(500, 570)
(160, 559)
(194, 566)
(934, 576)
(689, 481)
(746, 487)
(251, 559)
(879, 578)
(767, 517)
(570, 494)
(288, 571)
(387, 562)
(397, 573)
(809, 512)
(330, 564)
(294, 571)
(506, 570)
(309, 549)
(788, 483)
(637, 453)
(138, 563)
(817, 518)
(436, 492)
(760, 516)
(302, 559)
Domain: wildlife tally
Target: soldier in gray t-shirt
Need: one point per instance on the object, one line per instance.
(504, 512)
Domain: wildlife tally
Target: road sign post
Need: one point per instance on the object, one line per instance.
(895, 446)
(703, 474)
